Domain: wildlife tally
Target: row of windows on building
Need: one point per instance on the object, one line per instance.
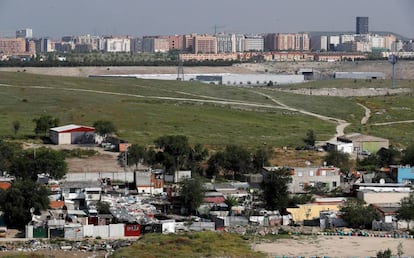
(206, 44)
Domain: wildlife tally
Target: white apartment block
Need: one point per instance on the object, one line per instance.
(254, 43)
(347, 38)
(226, 43)
(24, 33)
(87, 39)
(117, 45)
(334, 40)
(240, 44)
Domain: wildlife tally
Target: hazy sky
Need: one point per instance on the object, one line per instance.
(58, 18)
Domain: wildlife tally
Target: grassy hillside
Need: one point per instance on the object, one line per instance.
(143, 110)
(201, 244)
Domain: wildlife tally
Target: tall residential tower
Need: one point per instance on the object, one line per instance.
(362, 25)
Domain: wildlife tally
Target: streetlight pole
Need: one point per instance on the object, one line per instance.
(125, 170)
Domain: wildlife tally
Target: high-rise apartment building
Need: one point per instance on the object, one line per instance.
(117, 45)
(285, 41)
(226, 43)
(240, 43)
(24, 33)
(45, 45)
(189, 42)
(136, 45)
(205, 44)
(176, 42)
(362, 25)
(155, 44)
(302, 42)
(254, 43)
(92, 41)
(12, 46)
(319, 43)
(270, 42)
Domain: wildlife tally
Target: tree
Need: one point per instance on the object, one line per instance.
(191, 194)
(196, 156)
(215, 164)
(385, 254)
(386, 157)
(103, 207)
(104, 128)
(275, 189)
(408, 155)
(28, 165)
(357, 214)
(8, 151)
(261, 159)
(237, 160)
(310, 138)
(406, 210)
(174, 152)
(339, 159)
(16, 127)
(231, 201)
(136, 154)
(17, 201)
(319, 188)
(44, 123)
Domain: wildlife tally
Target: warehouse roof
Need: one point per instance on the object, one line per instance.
(72, 128)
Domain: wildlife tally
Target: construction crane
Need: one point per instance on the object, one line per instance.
(215, 27)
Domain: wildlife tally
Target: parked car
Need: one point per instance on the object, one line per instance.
(365, 153)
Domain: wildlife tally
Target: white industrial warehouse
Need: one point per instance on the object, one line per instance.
(224, 78)
(72, 134)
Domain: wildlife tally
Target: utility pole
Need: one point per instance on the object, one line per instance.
(393, 60)
(126, 169)
(180, 70)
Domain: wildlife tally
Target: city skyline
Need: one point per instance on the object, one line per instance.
(159, 17)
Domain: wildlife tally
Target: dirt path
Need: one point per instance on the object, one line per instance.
(365, 119)
(341, 124)
(335, 246)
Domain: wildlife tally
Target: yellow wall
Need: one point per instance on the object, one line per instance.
(310, 211)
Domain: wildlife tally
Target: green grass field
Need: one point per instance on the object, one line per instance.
(201, 244)
(143, 110)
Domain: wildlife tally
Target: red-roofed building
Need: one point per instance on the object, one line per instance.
(5, 185)
(72, 134)
(56, 205)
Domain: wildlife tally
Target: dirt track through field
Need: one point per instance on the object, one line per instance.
(340, 128)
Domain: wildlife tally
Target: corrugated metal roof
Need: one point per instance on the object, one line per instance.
(71, 127)
(363, 137)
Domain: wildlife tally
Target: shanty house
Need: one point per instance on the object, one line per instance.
(72, 134)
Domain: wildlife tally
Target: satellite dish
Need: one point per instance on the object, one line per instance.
(382, 181)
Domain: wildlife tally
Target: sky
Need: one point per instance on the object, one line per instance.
(57, 18)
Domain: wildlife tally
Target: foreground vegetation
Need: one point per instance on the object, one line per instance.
(201, 244)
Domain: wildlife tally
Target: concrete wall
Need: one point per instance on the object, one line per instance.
(116, 230)
(88, 230)
(371, 197)
(94, 176)
(310, 211)
(101, 231)
(201, 226)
